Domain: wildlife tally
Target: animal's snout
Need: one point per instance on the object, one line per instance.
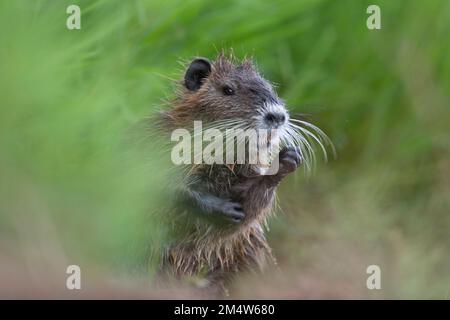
(275, 119)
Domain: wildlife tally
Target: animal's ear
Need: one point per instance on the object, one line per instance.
(198, 70)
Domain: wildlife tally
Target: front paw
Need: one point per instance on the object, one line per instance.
(233, 210)
(290, 160)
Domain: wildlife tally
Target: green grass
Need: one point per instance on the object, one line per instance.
(75, 184)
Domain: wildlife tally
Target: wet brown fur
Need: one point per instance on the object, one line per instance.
(213, 250)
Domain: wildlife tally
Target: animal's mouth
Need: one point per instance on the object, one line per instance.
(284, 130)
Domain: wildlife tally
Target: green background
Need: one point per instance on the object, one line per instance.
(77, 183)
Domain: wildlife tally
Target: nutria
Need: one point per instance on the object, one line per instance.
(220, 210)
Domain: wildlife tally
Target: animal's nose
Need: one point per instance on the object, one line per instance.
(276, 119)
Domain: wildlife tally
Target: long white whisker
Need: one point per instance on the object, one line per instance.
(305, 147)
(310, 134)
(322, 134)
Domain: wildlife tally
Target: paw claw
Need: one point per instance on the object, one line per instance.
(290, 159)
(233, 210)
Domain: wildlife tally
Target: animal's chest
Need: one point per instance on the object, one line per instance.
(254, 195)
(222, 182)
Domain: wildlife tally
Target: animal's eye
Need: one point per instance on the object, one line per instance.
(228, 91)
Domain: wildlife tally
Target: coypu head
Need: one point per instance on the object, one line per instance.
(224, 94)
(223, 90)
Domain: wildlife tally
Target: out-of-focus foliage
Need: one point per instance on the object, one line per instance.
(76, 185)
